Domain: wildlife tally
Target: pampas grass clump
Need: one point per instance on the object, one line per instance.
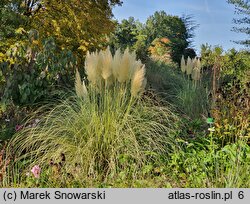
(193, 68)
(106, 128)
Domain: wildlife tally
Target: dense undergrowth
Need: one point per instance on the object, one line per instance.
(109, 135)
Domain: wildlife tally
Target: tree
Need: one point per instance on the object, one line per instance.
(191, 26)
(161, 25)
(77, 25)
(10, 20)
(160, 50)
(125, 34)
(130, 33)
(189, 52)
(143, 38)
(242, 8)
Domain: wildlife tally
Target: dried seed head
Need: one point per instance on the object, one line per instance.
(124, 69)
(91, 67)
(198, 64)
(81, 90)
(116, 63)
(138, 82)
(106, 63)
(194, 63)
(196, 75)
(183, 64)
(189, 66)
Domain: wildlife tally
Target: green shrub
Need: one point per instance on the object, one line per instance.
(204, 164)
(31, 71)
(232, 116)
(232, 108)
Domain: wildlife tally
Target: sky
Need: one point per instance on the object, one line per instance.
(213, 16)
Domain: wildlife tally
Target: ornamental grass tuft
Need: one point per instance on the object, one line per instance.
(105, 128)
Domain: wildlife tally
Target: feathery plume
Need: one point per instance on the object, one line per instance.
(189, 66)
(133, 64)
(194, 62)
(138, 82)
(116, 63)
(196, 75)
(183, 64)
(91, 67)
(85, 91)
(81, 90)
(124, 69)
(106, 63)
(198, 64)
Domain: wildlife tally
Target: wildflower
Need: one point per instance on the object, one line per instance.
(212, 129)
(36, 170)
(37, 121)
(18, 127)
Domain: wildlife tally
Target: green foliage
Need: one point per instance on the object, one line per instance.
(193, 99)
(164, 79)
(242, 8)
(204, 164)
(125, 34)
(232, 114)
(111, 133)
(139, 37)
(172, 27)
(31, 72)
(188, 96)
(11, 19)
(231, 108)
(76, 25)
(210, 55)
(235, 66)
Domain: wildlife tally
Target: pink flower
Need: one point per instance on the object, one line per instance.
(18, 127)
(36, 170)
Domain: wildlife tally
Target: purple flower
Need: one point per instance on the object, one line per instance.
(18, 127)
(36, 170)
